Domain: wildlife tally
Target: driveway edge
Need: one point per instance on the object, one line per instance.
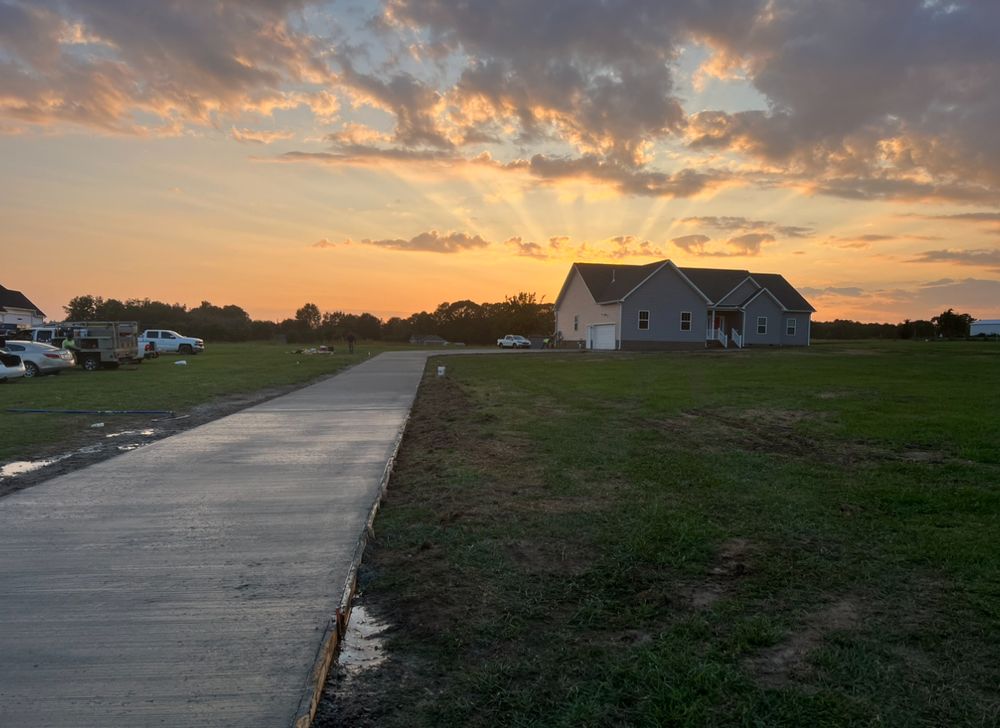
(336, 626)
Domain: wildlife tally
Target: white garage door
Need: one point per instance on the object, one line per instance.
(602, 336)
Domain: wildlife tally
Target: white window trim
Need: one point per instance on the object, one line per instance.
(759, 332)
(690, 321)
(638, 320)
(791, 327)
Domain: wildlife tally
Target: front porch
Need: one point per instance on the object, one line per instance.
(725, 326)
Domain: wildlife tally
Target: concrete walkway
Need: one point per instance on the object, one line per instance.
(189, 583)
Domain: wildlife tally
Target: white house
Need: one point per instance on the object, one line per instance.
(661, 306)
(17, 312)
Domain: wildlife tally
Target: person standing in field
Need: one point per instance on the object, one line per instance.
(350, 342)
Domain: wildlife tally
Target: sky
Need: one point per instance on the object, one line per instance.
(389, 156)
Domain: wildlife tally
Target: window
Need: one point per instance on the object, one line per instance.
(762, 325)
(576, 323)
(167, 335)
(685, 320)
(790, 327)
(44, 336)
(643, 320)
(153, 335)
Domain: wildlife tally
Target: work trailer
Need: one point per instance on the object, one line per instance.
(100, 344)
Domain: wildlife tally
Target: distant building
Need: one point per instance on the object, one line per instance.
(661, 306)
(986, 327)
(17, 312)
(427, 340)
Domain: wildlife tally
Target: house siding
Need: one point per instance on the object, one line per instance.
(20, 317)
(802, 324)
(664, 295)
(578, 301)
(763, 305)
(739, 294)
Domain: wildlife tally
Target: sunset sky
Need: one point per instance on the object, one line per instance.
(388, 156)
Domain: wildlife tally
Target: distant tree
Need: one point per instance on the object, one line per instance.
(397, 329)
(918, 329)
(309, 317)
(83, 308)
(367, 326)
(952, 325)
(847, 329)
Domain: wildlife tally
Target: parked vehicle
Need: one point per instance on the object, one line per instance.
(513, 341)
(99, 344)
(52, 335)
(170, 342)
(96, 343)
(11, 366)
(41, 359)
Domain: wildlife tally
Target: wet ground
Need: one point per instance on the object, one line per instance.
(111, 435)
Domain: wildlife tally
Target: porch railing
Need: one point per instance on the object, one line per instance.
(718, 335)
(737, 339)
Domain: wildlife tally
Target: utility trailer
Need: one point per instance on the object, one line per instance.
(108, 344)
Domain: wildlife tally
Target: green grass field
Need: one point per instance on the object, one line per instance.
(223, 370)
(762, 538)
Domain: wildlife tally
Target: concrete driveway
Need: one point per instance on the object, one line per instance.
(189, 583)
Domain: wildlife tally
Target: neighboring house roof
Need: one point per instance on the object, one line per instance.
(16, 299)
(610, 282)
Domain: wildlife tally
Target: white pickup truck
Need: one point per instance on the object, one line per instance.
(170, 342)
(513, 341)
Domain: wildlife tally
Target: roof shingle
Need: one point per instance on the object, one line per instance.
(609, 282)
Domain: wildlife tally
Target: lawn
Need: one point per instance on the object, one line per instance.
(222, 371)
(757, 538)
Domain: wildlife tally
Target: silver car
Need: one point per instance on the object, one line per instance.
(11, 366)
(41, 358)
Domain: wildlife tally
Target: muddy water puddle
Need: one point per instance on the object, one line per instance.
(363, 647)
(117, 442)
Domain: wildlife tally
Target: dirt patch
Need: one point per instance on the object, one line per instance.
(779, 665)
(121, 433)
(776, 432)
(731, 564)
(924, 456)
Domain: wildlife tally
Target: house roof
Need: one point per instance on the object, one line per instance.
(16, 299)
(783, 291)
(715, 283)
(609, 282)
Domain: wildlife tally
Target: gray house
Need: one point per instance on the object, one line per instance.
(661, 306)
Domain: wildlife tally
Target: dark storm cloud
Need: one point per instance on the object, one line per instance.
(101, 62)
(860, 90)
(892, 100)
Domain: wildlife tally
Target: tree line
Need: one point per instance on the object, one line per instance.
(947, 324)
(459, 321)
